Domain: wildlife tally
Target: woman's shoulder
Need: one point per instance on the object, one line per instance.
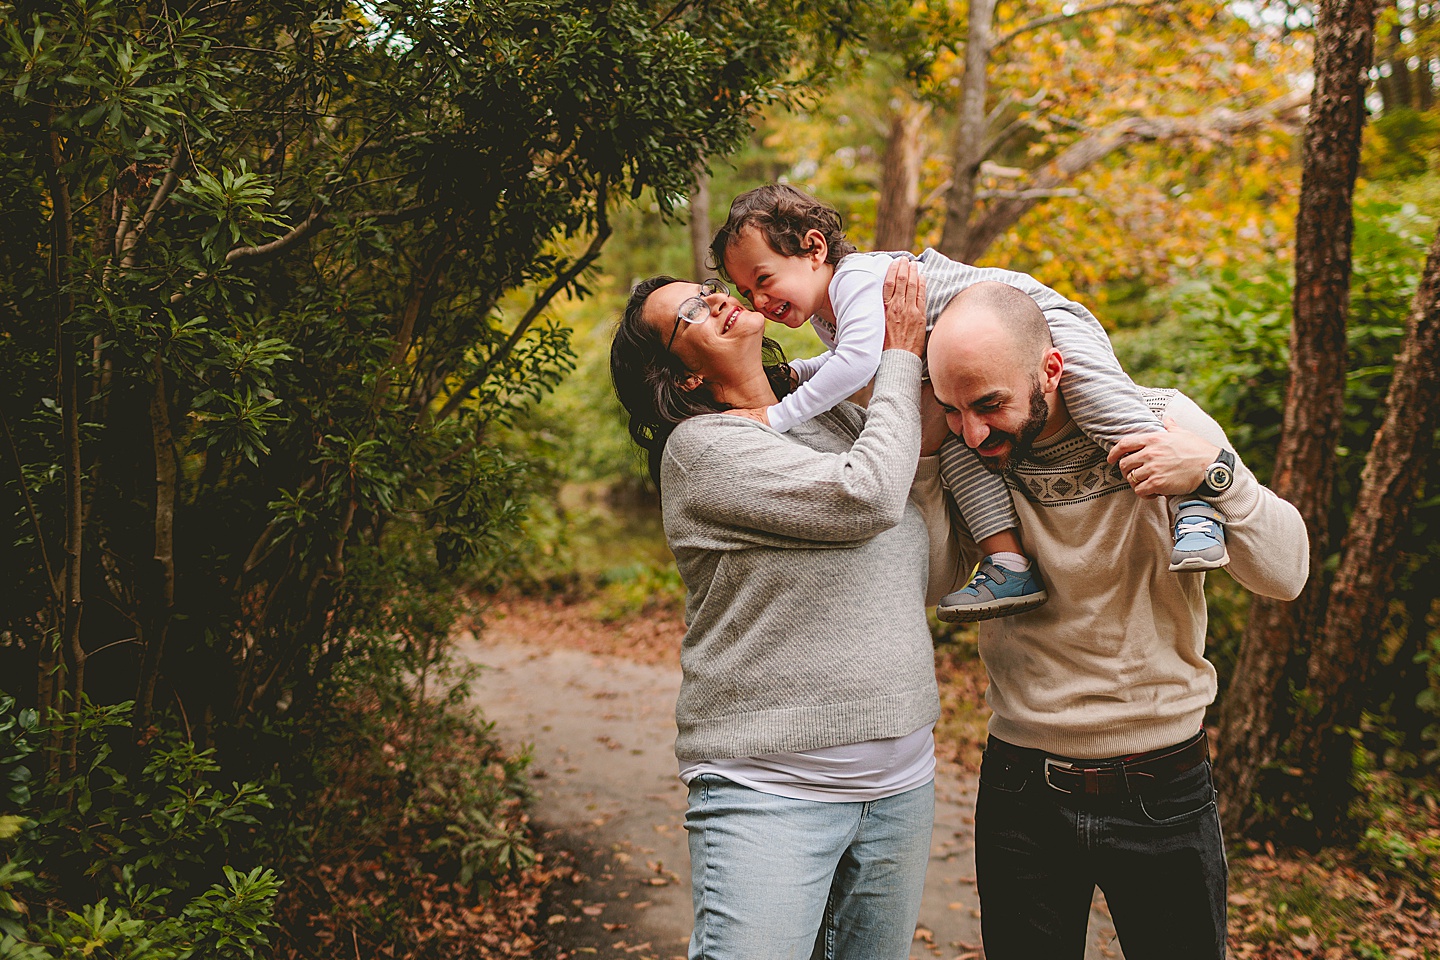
(691, 438)
(728, 435)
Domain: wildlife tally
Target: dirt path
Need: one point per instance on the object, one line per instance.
(602, 731)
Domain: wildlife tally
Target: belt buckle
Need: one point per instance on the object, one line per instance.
(1052, 764)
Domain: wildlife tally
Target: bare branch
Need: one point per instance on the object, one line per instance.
(312, 222)
(167, 187)
(989, 168)
(1002, 136)
(1045, 21)
(1217, 125)
(561, 281)
(1029, 194)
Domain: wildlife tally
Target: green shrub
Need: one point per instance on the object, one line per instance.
(130, 841)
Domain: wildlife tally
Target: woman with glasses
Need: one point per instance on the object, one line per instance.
(806, 712)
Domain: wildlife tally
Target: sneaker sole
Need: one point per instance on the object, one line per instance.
(1194, 564)
(1005, 607)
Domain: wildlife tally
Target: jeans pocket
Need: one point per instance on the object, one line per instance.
(1187, 797)
(1005, 776)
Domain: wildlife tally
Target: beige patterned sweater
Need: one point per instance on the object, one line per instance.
(1115, 662)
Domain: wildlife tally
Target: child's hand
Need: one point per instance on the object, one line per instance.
(904, 293)
(1169, 464)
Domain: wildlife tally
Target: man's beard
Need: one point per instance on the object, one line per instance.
(1023, 439)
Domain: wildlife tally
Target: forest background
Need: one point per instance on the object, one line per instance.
(305, 312)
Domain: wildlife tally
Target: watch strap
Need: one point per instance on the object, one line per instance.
(1223, 458)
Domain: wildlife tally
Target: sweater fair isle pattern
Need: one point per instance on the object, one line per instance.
(805, 565)
(1115, 663)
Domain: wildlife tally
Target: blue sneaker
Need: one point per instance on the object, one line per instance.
(993, 592)
(1199, 538)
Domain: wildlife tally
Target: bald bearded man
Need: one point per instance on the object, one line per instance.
(1096, 771)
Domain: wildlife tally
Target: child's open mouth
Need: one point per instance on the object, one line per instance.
(780, 312)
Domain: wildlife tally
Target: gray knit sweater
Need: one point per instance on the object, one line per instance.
(805, 565)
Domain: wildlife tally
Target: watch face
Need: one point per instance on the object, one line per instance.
(1218, 477)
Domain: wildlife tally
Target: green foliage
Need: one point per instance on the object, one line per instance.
(1401, 142)
(481, 825)
(17, 741)
(1401, 822)
(639, 587)
(140, 842)
(227, 922)
(298, 260)
(1236, 328)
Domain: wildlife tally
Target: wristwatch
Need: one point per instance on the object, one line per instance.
(1218, 476)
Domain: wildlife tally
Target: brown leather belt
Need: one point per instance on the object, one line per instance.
(1120, 776)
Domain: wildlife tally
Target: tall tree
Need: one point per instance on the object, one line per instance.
(1257, 715)
(1346, 653)
(256, 289)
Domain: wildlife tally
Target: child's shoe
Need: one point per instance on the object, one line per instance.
(1199, 538)
(993, 592)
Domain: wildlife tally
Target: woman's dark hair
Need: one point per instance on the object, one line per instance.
(783, 215)
(648, 378)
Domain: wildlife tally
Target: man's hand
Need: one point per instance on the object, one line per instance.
(1168, 464)
(757, 414)
(904, 293)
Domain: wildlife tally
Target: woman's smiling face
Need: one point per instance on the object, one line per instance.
(729, 336)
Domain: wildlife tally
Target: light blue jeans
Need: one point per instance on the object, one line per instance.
(781, 879)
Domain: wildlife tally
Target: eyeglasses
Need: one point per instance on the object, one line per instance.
(696, 309)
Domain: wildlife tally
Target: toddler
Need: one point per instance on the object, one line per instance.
(787, 254)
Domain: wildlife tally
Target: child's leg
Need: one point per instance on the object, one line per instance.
(982, 496)
(1106, 405)
(1001, 586)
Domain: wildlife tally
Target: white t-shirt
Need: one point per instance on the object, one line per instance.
(857, 294)
(849, 773)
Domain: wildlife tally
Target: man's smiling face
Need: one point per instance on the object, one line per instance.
(996, 374)
(1000, 425)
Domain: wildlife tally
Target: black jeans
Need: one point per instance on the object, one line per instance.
(1040, 853)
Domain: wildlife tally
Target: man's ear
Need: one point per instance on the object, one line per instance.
(1051, 367)
(816, 249)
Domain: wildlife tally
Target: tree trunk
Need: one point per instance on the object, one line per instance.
(1394, 87)
(898, 209)
(71, 654)
(1345, 655)
(1256, 715)
(160, 603)
(969, 149)
(700, 232)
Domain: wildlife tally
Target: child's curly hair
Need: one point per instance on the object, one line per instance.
(783, 215)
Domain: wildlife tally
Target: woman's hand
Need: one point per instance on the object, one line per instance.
(904, 293)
